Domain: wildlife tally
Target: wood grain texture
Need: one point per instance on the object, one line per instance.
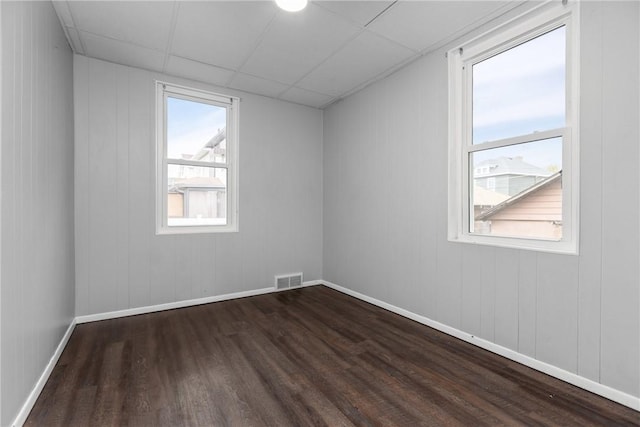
(311, 356)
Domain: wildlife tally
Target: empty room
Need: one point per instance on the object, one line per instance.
(320, 212)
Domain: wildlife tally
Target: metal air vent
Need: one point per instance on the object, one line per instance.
(286, 281)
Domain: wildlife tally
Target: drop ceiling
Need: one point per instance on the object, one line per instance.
(314, 57)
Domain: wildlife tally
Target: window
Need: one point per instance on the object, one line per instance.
(197, 155)
(513, 143)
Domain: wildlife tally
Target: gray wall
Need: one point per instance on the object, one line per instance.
(385, 215)
(121, 263)
(37, 283)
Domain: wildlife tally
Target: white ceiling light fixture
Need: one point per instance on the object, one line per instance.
(292, 5)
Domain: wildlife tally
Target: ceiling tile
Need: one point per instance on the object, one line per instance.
(220, 33)
(306, 97)
(330, 49)
(421, 24)
(257, 85)
(189, 69)
(361, 12)
(297, 42)
(143, 23)
(361, 60)
(122, 53)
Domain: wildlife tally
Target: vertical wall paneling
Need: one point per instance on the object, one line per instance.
(339, 223)
(374, 224)
(201, 264)
(377, 225)
(257, 231)
(81, 186)
(102, 186)
(620, 349)
(448, 256)
(40, 190)
(578, 313)
(162, 272)
(186, 257)
(331, 179)
(209, 267)
(449, 284)
(141, 197)
(527, 302)
(228, 265)
(11, 62)
(25, 200)
(557, 318)
(2, 73)
(36, 238)
(424, 230)
(487, 278)
(591, 139)
(506, 298)
(126, 264)
(431, 130)
(121, 188)
(402, 244)
(472, 289)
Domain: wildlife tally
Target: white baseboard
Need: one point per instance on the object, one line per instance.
(569, 377)
(182, 304)
(37, 389)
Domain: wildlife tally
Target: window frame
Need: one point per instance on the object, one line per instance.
(165, 90)
(527, 26)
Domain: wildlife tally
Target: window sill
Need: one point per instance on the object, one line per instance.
(548, 246)
(196, 230)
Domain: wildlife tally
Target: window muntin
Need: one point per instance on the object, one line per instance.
(197, 161)
(512, 96)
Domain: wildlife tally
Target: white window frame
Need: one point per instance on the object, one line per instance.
(163, 91)
(529, 25)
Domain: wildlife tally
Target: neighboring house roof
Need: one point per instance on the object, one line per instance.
(509, 166)
(196, 182)
(211, 144)
(518, 197)
(484, 197)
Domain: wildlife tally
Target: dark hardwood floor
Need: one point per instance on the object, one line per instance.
(309, 356)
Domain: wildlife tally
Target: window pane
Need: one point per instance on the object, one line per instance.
(516, 191)
(521, 90)
(196, 131)
(196, 196)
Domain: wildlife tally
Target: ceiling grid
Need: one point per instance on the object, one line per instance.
(314, 57)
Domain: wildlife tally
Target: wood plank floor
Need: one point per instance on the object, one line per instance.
(309, 356)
